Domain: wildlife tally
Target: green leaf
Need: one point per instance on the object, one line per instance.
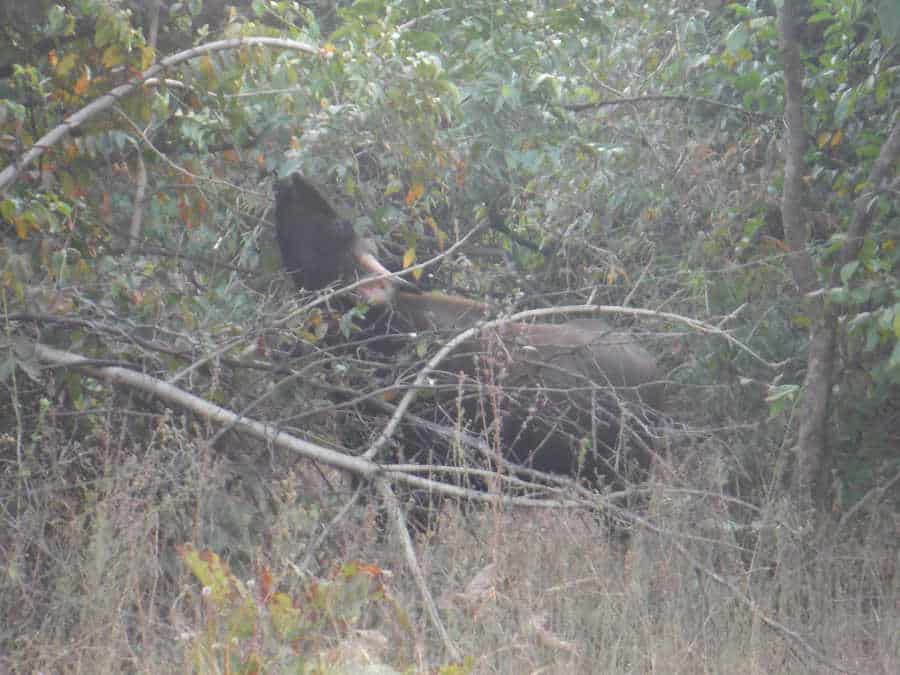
(57, 19)
(423, 41)
(737, 38)
(104, 33)
(848, 270)
(421, 348)
(259, 7)
(286, 619)
(779, 396)
(838, 296)
(873, 337)
(825, 15)
(844, 107)
(897, 320)
(7, 210)
(861, 295)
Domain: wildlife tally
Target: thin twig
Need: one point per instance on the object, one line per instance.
(580, 107)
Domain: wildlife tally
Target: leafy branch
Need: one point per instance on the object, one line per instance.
(109, 99)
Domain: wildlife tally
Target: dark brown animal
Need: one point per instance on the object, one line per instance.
(574, 398)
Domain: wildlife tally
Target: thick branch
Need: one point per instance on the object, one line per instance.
(360, 466)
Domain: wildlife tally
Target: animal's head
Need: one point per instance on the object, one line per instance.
(319, 247)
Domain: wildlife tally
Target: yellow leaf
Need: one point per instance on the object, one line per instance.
(801, 321)
(416, 190)
(207, 67)
(52, 59)
(417, 274)
(438, 232)
(823, 138)
(65, 64)
(836, 138)
(148, 55)
(393, 187)
(409, 257)
(112, 57)
(82, 84)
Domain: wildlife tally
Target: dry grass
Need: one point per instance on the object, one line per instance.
(91, 582)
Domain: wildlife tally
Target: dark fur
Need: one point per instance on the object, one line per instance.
(319, 253)
(574, 398)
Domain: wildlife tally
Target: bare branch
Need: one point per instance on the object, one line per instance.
(140, 194)
(401, 531)
(360, 466)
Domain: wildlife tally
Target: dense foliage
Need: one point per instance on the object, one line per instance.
(607, 152)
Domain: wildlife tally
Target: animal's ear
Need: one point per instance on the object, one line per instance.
(300, 196)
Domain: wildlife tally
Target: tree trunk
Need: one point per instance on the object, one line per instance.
(814, 460)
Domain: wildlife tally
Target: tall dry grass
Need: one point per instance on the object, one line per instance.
(91, 582)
